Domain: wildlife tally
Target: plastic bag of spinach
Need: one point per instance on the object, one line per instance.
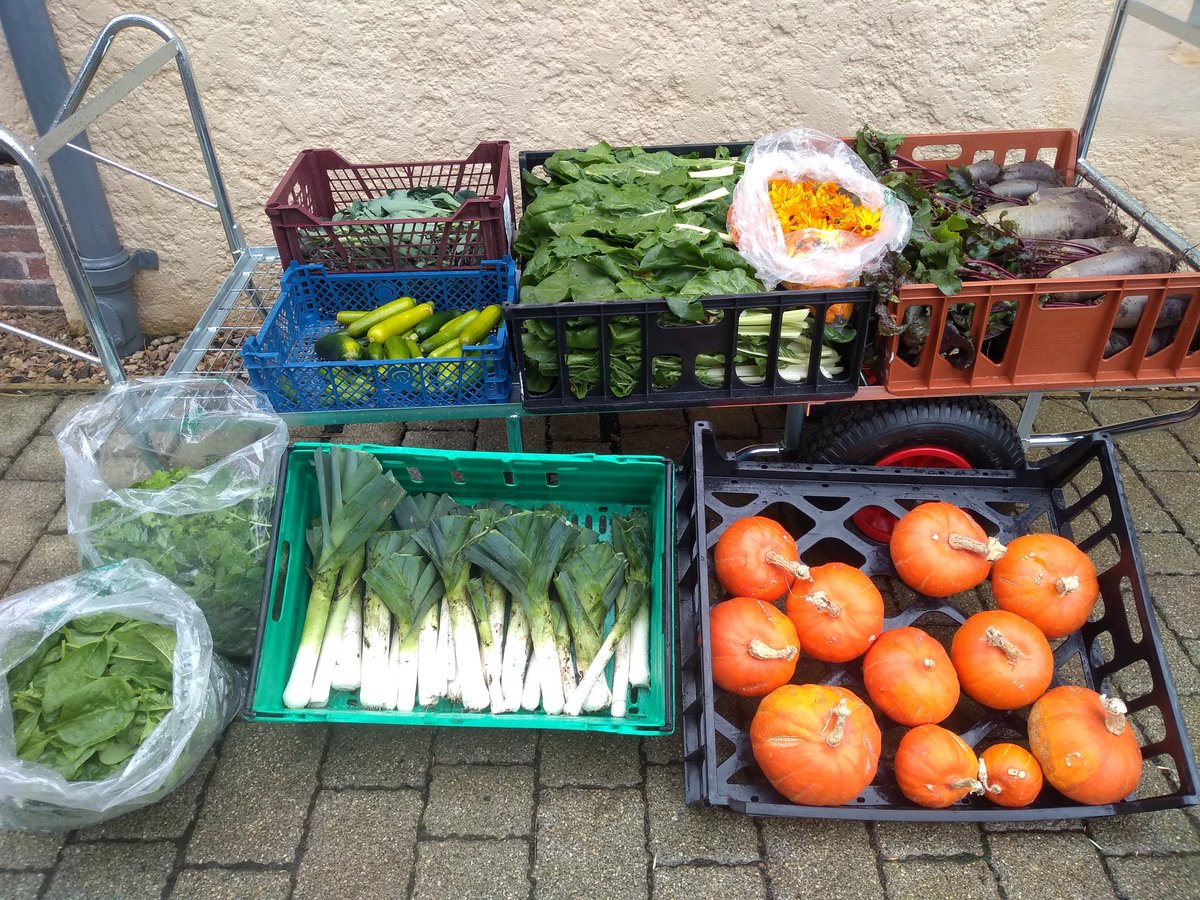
(110, 695)
(179, 472)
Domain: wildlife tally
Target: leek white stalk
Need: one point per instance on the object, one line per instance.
(472, 685)
(410, 585)
(620, 686)
(516, 658)
(431, 666)
(304, 667)
(587, 582)
(562, 642)
(349, 591)
(391, 681)
(377, 688)
(347, 669)
(487, 596)
(531, 689)
(639, 648)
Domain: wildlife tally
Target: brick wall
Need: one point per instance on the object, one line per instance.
(24, 276)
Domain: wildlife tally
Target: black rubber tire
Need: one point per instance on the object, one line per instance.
(863, 433)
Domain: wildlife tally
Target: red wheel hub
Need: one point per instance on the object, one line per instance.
(877, 523)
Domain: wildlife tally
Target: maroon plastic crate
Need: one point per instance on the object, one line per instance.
(320, 182)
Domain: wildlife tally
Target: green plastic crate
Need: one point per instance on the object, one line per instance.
(593, 488)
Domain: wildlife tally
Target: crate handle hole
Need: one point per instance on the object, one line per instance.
(510, 479)
(603, 524)
(587, 520)
(457, 476)
(552, 479)
(277, 599)
(414, 475)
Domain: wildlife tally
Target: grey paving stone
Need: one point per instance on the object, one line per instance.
(440, 440)
(492, 435)
(19, 885)
(593, 838)
(226, 884)
(488, 870)
(28, 506)
(1169, 831)
(668, 442)
(577, 447)
(359, 843)
(1010, 408)
(1114, 410)
(683, 834)
(730, 422)
(479, 801)
(442, 425)
(108, 870)
(1177, 492)
(1156, 451)
(1168, 554)
(1175, 600)
(385, 434)
(264, 783)
(39, 460)
(1157, 878)
(587, 759)
(1150, 509)
(1062, 415)
(29, 850)
(691, 882)
(807, 858)
(664, 750)
(1035, 825)
(22, 417)
(584, 427)
(58, 525)
(772, 417)
(5, 462)
(53, 557)
(901, 840)
(1134, 681)
(484, 745)
(920, 879)
(376, 756)
(660, 418)
(64, 409)
(1052, 866)
(165, 820)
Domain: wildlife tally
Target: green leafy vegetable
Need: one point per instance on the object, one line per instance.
(91, 694)
(216, 555)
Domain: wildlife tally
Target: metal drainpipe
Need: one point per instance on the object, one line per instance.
(108, 265)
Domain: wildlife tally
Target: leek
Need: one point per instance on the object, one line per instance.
(531, 689)
(349, 591)
(587, 583)
(411, 587)
(490, 649)
(516, 658)
(562, 643)
(521, 552)
(639, 648)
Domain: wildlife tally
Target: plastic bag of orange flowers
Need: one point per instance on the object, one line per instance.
(808, 213)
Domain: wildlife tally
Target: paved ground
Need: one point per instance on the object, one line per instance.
(281, 811)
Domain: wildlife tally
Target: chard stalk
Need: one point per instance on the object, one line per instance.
(717, 194)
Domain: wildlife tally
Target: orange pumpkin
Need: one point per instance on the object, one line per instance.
(910, 678)
(1084, 745)
(1002, 660)
(1011, 776)
(1049, 581)
(939, 550)
(935, 767)
(756, 557)
(754, 646)
(837, 612)
(817, 744)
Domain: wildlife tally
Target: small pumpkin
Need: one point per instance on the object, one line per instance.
(817, 744)
(837, 612)
(754, 646)
(935, 767)
(1084, 745)
(1002, 660)
(1049, 581)
(939, 550)
(910, 677)
(756, 557)
(1010, 775)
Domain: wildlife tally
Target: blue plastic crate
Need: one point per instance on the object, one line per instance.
(280, 360)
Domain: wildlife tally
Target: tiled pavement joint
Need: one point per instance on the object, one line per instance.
(293, 868)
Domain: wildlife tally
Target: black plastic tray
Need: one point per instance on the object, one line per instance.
(1077, 493)
(687, 341)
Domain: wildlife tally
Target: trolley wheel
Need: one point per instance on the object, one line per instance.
(961, 433)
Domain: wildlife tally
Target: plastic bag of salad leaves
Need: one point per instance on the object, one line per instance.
(110, 695)
(179, 472)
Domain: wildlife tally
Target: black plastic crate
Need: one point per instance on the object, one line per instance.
(1077, 493)
(681, 343)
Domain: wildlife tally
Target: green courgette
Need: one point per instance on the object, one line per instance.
(338, 347)
(433, 324)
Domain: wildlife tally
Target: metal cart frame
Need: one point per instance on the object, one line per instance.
(248, 291)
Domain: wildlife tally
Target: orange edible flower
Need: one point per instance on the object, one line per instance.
(825, 207)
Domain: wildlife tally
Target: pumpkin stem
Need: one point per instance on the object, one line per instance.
(821, 601)
(983, 779)
(842, 711)
(1114, 719)
(973, 783)
(995, 550)
(760, 650)
(995, 638)
(795, 569)
(992, 550)
(1067, 584)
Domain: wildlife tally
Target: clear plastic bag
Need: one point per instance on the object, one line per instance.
(206, 692)
(809, 256)
(179, 472)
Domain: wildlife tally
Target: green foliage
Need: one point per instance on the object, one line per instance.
(91, 694)
(217, 556)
